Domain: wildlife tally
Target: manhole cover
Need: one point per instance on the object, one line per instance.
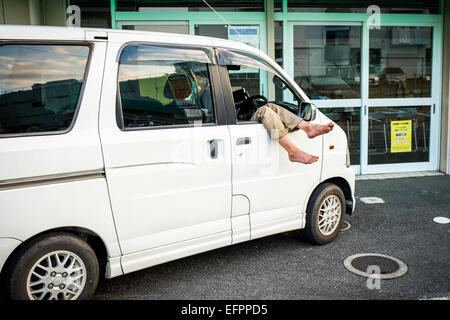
(388, 267)
(345, 226)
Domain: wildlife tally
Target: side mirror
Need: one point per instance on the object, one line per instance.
(307, 111)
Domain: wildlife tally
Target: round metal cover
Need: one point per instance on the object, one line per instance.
(389, 267)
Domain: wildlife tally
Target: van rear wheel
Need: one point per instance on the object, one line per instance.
(58, 266)
(324, 214)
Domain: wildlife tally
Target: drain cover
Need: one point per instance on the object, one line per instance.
(386, 265)
(389, 267)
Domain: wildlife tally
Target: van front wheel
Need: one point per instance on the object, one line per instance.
(58, 266)
(324, 214)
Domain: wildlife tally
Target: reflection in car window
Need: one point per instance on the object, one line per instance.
(40, 86)
(162, 86)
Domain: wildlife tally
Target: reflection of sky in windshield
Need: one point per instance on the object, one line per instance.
(21, 66)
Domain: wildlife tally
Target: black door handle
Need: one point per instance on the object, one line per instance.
(243, 140)
(213, 149)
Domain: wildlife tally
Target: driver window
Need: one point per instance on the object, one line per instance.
(247, 74)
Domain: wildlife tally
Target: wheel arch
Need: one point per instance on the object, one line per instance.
(343, 184)
(90, 237)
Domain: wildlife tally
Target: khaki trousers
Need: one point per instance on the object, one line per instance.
(277, 120)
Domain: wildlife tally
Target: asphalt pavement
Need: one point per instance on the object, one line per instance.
(285, 266)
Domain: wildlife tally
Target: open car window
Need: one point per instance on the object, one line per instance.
(250, 77)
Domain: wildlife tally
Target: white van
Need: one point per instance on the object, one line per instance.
(121, 150)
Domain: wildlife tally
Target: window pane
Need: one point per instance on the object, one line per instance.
(190, 5)
(39, 86)
(349, 120)
(212, 30)
(399, 134)
(161, 27)
(248, 34)
(360, 6)
(400, 62)
(278, 6)
(245, 71)
(94, 13)
(327, 61)
(164, 86)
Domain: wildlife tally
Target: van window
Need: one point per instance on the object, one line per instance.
(245, 71)
(40, 86)
(161, 86)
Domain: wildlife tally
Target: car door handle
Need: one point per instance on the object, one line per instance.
(213, 148)
(243, 140)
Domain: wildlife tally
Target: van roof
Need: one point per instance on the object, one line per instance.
(26, 32)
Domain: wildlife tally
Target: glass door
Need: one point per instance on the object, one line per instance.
(326, 64)
(400, 108)
(382, 86)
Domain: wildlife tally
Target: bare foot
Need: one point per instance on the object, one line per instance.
(315, 130)
(302, 157)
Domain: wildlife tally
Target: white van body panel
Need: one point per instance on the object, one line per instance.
(37, 202)
(7, 246)
(334, 154)
(333, 161)
(144, 259)
(164, 186)
(36, 33)
(59, 153)
(276, 187)
(81, 204)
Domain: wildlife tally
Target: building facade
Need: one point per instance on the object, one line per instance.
(380, 69)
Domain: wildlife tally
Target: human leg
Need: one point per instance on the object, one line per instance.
(289, 119)
(277, 129)
(293, 122)
(314, 129)
(271, 121)
(294, 153)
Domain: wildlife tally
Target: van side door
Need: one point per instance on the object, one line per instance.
(166, 151)
(275, 188)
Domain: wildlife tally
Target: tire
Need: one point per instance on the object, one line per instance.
(326, 196)
(74, 277)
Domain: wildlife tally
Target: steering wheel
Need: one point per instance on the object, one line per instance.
(257, 97)
(250, 105)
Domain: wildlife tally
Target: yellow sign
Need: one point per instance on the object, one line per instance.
(401, 136)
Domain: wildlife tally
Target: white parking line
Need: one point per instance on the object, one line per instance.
(371, 200)
(441, 220)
